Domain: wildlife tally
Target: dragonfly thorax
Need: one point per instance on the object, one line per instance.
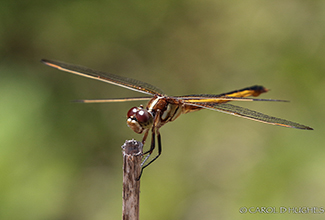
(139, 119)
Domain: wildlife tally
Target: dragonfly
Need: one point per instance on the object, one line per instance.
(162, 108)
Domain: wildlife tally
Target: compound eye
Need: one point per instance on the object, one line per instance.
(143, 116)
(132, 112)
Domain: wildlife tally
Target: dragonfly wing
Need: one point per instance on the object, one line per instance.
(122, 81)
(113, 100)
(250, 114)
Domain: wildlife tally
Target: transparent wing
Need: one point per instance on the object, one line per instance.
(122, 81)
(113, 100)
(250, 114)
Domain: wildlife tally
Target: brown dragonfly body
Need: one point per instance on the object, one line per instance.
(162, 108)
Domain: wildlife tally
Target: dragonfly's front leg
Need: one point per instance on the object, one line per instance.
(150, 151)
(152, 146)
(153, 136)
(145, 136)
(159, 151)
(153, 143)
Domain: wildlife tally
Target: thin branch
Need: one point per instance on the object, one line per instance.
(132, 156)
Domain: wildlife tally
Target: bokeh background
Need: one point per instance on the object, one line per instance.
(62, 161)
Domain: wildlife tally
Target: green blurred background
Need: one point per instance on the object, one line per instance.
(62, 161)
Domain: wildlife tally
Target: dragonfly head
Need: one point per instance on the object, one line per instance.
(139, 119)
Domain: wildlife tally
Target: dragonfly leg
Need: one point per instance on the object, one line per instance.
(153, 130)
(159, 150)
(153, 143)
(152, 146)
(145, 138)
(155, 158)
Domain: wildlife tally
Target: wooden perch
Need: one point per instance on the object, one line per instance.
(132, 156)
